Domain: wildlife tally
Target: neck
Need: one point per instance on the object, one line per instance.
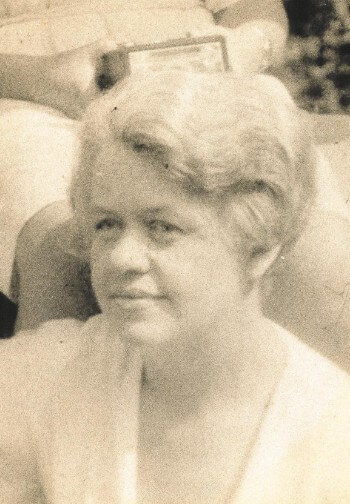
(228, 366)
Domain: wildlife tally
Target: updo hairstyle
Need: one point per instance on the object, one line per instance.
(239, 142)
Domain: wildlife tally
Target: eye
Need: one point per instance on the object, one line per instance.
(107, 223)
(163, 227)
(139, 147)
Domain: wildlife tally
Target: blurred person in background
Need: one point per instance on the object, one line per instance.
(255, 34)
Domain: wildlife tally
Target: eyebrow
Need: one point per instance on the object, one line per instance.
(101, 209)
(153, 210)
(158, 210)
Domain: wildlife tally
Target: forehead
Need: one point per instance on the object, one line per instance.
(126, 180)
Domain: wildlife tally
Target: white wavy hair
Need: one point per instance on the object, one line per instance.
(239, 141)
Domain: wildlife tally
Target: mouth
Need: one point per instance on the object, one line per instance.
(134, 296)
(135, 304)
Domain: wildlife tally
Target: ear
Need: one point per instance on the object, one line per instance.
(262, 260)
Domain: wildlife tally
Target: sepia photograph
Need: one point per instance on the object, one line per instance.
(175, 252)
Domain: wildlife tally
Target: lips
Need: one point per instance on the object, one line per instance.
(134, 295)
(135, 303)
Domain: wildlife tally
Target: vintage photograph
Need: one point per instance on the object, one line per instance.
(175, 252)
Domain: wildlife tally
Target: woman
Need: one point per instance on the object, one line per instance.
(188, 188)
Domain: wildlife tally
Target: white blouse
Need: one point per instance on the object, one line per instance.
(76, 393)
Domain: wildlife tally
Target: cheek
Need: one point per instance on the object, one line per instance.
(198, 274)
(99, 269)
(220, 280)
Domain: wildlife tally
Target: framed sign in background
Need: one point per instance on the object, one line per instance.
(202, 54)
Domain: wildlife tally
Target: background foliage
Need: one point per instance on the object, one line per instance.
(317, 66)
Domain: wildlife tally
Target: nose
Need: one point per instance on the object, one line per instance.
(130, 255)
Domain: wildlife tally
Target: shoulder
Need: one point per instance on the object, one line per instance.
(30, 366)
(32, 346)
(310, 381)
(32, 361)
(316, 422)
(303, 454)
(312, 400)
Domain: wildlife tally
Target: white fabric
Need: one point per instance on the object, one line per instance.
(43, 27)
(77, 391)
(12, 8)
(338, 156)
(70, 28)
(303, 455)
(38, 150)
(218, 5)
(330, 197)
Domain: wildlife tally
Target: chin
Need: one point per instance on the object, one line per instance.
(145, 333)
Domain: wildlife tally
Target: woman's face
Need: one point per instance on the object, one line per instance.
(160, 266)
